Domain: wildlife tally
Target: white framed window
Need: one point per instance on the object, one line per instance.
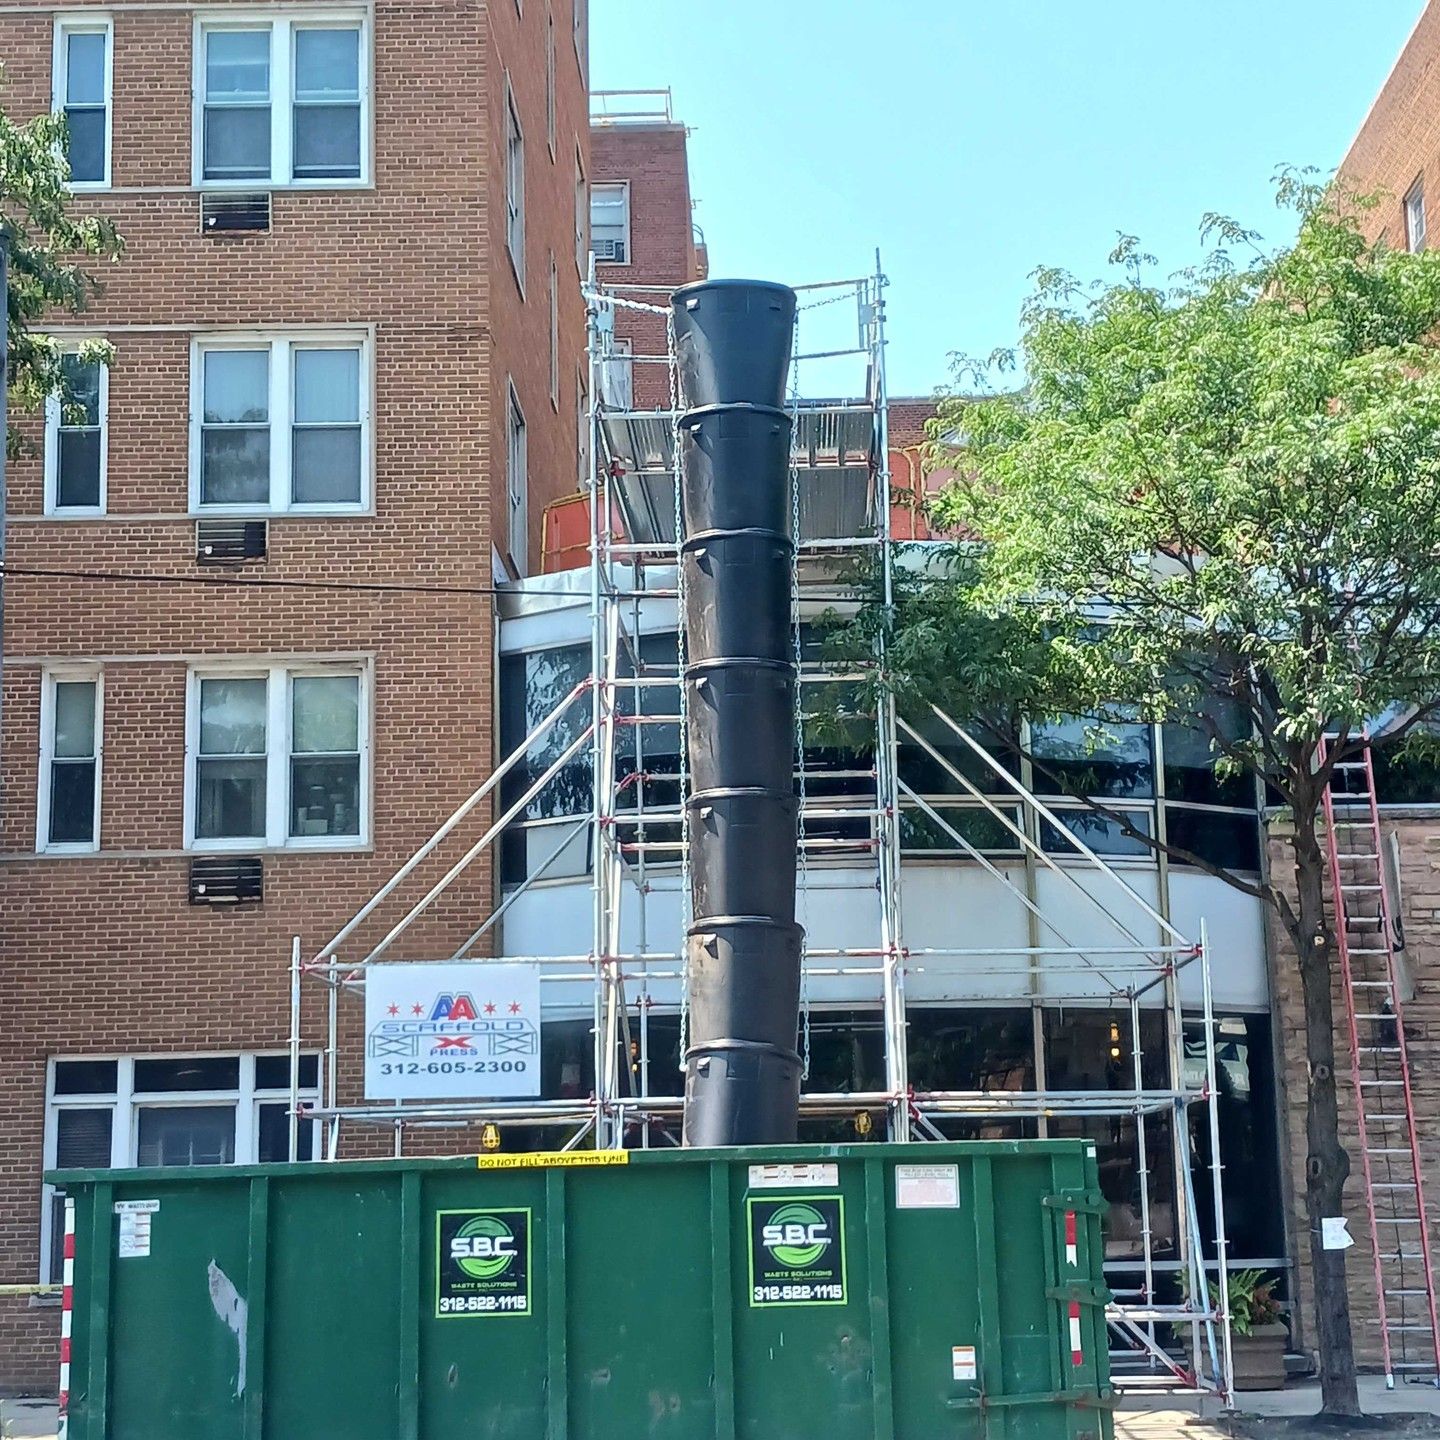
(514, 186)
(146, 1110)
(67, 816)
(280, 423)
(610, 222)
(277, 756)
(282, 100)
(1415, 216)
(617, 375)
(554, 334)
(517, 484)
(81, 90)
(550, 81)
(75, 439)
(582, 218)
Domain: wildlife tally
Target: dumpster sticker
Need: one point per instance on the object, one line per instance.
(927, 1187)
(797, 1250)
(552, 1159)
(482, 1262)
(135, 1217)
(452, 1031)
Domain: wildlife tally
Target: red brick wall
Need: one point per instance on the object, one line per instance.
(654, 160)
(1399, 139)
(103, 953)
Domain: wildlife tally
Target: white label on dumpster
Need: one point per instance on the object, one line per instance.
(962, 1362)
(782, 1177)
(135, 1227)
(927, 1187)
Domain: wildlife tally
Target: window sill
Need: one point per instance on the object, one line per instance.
(297, 512)
(354, 847)
(287, 187)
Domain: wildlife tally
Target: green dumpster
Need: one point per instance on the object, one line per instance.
(796, 1293)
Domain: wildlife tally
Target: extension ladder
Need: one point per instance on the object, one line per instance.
(1380, 1070)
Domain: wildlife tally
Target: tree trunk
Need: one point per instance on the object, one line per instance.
(1326, 1163)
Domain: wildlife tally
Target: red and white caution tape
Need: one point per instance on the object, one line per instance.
(1077, 1353)
(1072, 1244)
(67, 1305)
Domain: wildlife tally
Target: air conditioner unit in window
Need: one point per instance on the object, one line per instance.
(612, 251)
(230, 542)
(225, 880)
(230, 210)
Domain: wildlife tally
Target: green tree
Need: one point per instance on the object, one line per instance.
(1221, 494)
(49, 247)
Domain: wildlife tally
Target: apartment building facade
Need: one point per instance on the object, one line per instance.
(642, 232)
(249, 652)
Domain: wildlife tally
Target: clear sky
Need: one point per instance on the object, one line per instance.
(973, 141)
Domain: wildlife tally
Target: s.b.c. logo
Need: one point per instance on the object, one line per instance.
(484, 1248)
(797, 1235)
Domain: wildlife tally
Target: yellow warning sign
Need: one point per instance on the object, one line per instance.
(546, 1159)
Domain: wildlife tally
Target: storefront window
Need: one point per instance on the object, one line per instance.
(1245, 1099)
(1092, 1050)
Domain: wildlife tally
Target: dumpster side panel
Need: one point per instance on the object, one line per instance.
(640, 1343)
(934, 1308)
(485, 1361)
(333, 1337)
(804, 1367)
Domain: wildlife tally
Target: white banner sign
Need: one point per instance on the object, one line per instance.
(452, 1032)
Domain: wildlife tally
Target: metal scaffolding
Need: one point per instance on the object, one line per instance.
(636, 830)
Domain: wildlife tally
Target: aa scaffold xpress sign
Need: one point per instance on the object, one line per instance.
(482, 1262)
(797, 1250)
(452, 1031)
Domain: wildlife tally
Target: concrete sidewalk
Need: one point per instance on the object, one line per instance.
(1161, 1417)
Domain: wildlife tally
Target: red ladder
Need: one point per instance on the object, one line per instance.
(1380, 1071)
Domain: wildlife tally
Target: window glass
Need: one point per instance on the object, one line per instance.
(78, 436)
(610, 223)
(272, 1072)
(920, 832)
(72, 764)
(1408, 773)
(272, 1144)
(185, 1135)
(1102, 834)
(325, 758)
(230, 789)
(1191, 758)
(82, 1137)
(188, 1072)
(235, 429)
(1091, 1049)
(1230, 841)
(74, 718)
(237, 104)
(918, 769)
(85, 1077)
(327, 104)
(85, 103)
(971, 1049)
(531, 685)
(1075, 756)
(327, 444)
(1249, 1147)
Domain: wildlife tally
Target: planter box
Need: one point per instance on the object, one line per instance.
(1260, 1358)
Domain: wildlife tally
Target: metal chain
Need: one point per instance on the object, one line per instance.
(677, 463)
(799, 694)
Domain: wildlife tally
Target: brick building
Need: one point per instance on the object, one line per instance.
(346, 336)
(642, 231)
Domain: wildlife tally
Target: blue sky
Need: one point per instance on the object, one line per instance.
(972, 142)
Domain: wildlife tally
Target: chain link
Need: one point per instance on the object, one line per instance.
(799, 695)
(686, 911)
